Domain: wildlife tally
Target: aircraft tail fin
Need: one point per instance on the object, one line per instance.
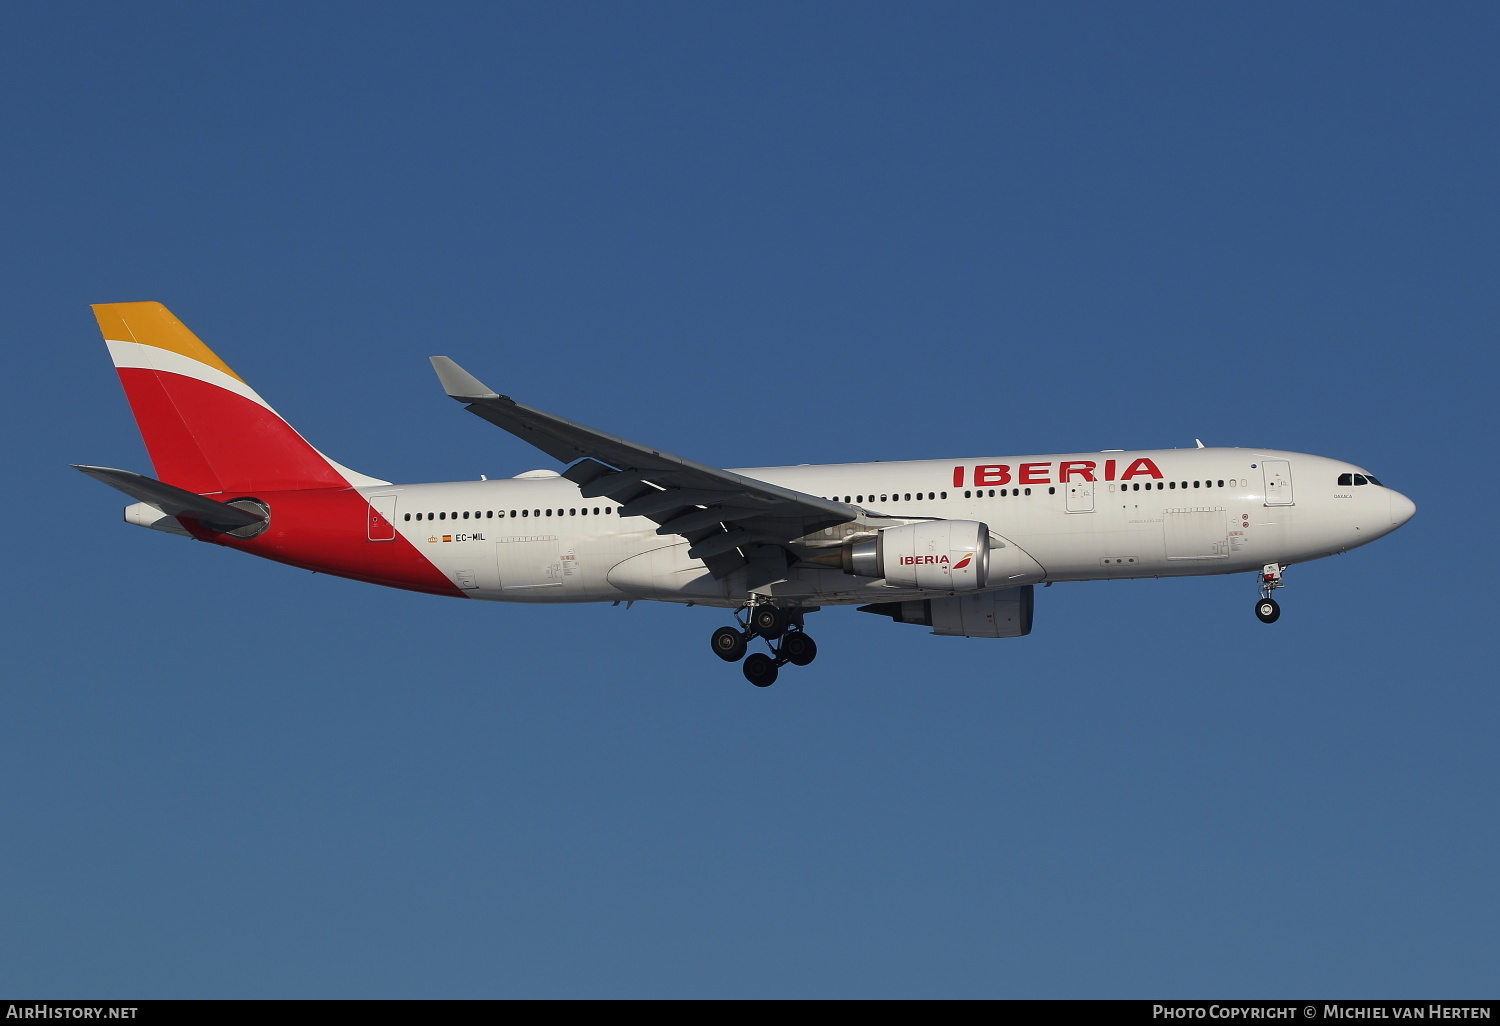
(204, 428)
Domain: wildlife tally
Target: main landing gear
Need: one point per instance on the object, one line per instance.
(782, 630)
(1267, 609)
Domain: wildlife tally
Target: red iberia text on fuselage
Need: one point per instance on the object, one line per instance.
(989, 474)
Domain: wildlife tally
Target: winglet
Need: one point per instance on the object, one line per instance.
(459, 383)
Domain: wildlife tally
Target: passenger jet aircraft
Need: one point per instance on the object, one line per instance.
(954, 544)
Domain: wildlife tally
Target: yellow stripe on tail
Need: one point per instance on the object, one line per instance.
(151, 324)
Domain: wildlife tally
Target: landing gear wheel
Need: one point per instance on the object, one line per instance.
(798, 649)
(760, 670)
(769, 622)
(1267, 610)
(729, 644)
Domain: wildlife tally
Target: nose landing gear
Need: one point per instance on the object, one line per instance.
(782, 631)
(1267, 610)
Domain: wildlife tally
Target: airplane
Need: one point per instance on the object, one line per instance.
(957, 545)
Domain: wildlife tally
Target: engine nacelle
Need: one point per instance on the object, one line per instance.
(934, 555)
(995, 614)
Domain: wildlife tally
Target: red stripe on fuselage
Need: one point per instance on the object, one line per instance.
(207, 439)
(324, 529)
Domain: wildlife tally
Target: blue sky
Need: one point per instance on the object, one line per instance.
(764, 234)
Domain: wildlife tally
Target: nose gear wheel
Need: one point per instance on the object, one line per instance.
(1267, 610)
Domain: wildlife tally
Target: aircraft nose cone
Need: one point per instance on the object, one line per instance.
(1402, 509)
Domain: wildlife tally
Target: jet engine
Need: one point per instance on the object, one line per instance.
(933, 555)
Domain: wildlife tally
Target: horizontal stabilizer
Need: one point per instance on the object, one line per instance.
(174, 501)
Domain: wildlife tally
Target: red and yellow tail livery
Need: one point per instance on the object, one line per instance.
(204, 428)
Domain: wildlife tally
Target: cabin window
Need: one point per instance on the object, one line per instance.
(1028, 491)
(408, 516)
(1174, 484)
(442, 516)
(466, 514)
(1051, 491)
(572, 512)
(943, 495)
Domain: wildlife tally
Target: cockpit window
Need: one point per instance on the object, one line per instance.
(1370, 478)
(1345, 480)
(1360, 479)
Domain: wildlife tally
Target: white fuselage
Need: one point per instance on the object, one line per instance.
(1071, 517)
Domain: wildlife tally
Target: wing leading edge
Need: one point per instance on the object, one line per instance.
(730, 520)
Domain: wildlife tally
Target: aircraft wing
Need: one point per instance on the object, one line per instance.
(730, 519)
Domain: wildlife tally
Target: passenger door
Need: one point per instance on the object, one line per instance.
(380, 518)
(1080, 497)
(1278, 475)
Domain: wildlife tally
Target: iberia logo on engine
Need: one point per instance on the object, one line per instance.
(915, 560)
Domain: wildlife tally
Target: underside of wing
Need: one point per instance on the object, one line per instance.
(730, 520)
